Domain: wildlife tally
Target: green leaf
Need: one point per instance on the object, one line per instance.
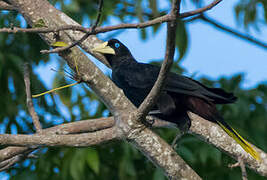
(59, 44)
(153, 6)
(187, 153)
(158, 174)
(77, 166)
(181, 39)
(143, 34)
(92, 159)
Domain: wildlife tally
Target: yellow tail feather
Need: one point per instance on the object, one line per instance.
(243, 143)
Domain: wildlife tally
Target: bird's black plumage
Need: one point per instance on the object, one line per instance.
(180, 93)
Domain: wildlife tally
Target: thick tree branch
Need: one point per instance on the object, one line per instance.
(234, 32)
(83, 126)
(161, 154)
(12, 155)
(55, 140)
(213, 134)
(91, 32)
(45, 29)
(84, 37)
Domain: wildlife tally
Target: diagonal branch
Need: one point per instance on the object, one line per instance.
(84, 126)
(200, 10)
(11, 155)
(152, 97)
(99, 13)
(234, 32)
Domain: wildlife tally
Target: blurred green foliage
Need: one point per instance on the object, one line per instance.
(117, 160)
(251, 13)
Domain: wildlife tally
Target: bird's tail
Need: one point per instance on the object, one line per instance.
(208, 111)
(243, 143)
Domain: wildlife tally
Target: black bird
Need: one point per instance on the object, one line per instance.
(180, 94)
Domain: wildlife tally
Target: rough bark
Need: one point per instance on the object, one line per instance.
(113, 97)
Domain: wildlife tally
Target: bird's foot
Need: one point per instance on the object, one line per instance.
(149, 121)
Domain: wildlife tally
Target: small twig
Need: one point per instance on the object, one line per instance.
(234, 32)
(10, 162)
(99, 13)
(60, 49)
(31, 109)
(4, 165)
(192, 19)
(152, 97)
(200, 10)
(64, 73)
(240, 163)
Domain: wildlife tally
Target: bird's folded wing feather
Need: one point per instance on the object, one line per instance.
(184, 85)
(144, 76)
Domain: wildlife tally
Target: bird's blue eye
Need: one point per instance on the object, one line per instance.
(117, 45)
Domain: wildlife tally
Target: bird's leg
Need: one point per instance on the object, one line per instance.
(183, 124)
(176, 139)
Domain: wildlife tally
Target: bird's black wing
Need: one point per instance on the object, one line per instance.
(184, 85)
(141, 75)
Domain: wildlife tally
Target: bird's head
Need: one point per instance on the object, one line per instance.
(114, 51)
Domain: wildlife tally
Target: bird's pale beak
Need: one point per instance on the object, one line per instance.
(104, 49)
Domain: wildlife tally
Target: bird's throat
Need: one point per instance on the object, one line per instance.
(115, 61)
